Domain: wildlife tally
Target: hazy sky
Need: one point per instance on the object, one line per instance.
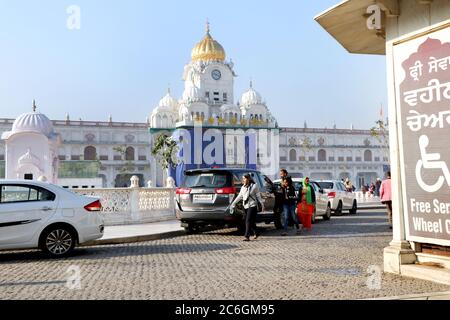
(126, 54)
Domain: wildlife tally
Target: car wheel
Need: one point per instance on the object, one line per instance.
(339, 209)
(191, 228)
(327, 215)
(58, 241)
(354, 209)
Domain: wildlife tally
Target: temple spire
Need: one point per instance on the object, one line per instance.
(34, 105)
(207, 27)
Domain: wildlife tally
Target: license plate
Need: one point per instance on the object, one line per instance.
(203, 198)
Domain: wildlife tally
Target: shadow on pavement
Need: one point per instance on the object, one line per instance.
(113, 251)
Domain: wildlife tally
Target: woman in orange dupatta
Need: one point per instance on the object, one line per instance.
(306, 203)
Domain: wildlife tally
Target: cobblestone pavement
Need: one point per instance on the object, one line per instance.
(331, 262)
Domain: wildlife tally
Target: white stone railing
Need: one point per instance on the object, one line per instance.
(367, 197)
(134, 205)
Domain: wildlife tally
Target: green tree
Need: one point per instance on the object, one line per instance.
(165, 151)
(381, 132)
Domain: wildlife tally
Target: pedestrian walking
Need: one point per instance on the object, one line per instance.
(289, 202)
(251, 199)
(386, 196)
(306, 203)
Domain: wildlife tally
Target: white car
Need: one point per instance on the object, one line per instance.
(340, 198)
(41, 215)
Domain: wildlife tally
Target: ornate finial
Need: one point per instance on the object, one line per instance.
(34, 105)
(67, 117)
(207, 26)
(168, 89)
(251, 83)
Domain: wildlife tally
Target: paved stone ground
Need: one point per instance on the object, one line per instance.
(331, 262)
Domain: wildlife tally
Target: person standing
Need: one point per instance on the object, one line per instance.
(250, 197)
(278, 208)
(386, 196)
(378, 186)
(306, 203)
(289, 201)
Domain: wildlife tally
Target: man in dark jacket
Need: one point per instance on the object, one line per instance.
(278, 208)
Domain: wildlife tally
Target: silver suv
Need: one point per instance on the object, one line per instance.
(206, 195)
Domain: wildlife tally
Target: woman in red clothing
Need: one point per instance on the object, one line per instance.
(306, 203)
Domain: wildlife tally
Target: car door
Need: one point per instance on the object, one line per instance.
(321, 200)
(265, 186)
(23, 211)
(346, 196)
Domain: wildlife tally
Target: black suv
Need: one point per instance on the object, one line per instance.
(206, 195)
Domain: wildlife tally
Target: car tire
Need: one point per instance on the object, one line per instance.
(58, 241)
(327, 215)
(354, 208)
(192, 228)
(339, 209)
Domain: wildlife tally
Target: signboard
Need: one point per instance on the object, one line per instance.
(422, 83)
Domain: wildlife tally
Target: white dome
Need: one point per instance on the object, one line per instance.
(251, 97)
(33, 122)
(169, 101)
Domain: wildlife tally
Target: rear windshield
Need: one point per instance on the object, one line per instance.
(326, 185)
(206, 180)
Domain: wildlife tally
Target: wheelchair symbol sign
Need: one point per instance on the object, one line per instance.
(431, 161)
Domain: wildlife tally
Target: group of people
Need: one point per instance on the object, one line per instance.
(286, 201)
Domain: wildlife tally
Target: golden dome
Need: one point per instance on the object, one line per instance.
(208, 49)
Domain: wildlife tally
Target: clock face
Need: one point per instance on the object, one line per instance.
(216, 74)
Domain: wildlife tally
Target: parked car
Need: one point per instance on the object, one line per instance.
(323, 204)
(41, 215)
(206, 195)
(341, 199)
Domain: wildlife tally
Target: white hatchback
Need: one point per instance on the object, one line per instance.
(340, 198)
(41, 215)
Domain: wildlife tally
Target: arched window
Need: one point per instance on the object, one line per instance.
(322, 155)
(129, 154)
(368, 156)
(292, 155)
(90, 153)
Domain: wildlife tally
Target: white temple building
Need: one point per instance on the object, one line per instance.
(32, 148)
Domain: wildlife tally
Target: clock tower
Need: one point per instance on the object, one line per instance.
(208, 77)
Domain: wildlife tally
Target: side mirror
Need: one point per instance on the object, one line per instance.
(321, 191)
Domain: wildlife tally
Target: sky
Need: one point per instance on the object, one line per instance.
(126, 54)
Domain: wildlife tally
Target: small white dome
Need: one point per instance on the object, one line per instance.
(251, 97)
(33, 122)
(169, 101)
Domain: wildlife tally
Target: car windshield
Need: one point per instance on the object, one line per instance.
(205, 180)
(326, 185)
